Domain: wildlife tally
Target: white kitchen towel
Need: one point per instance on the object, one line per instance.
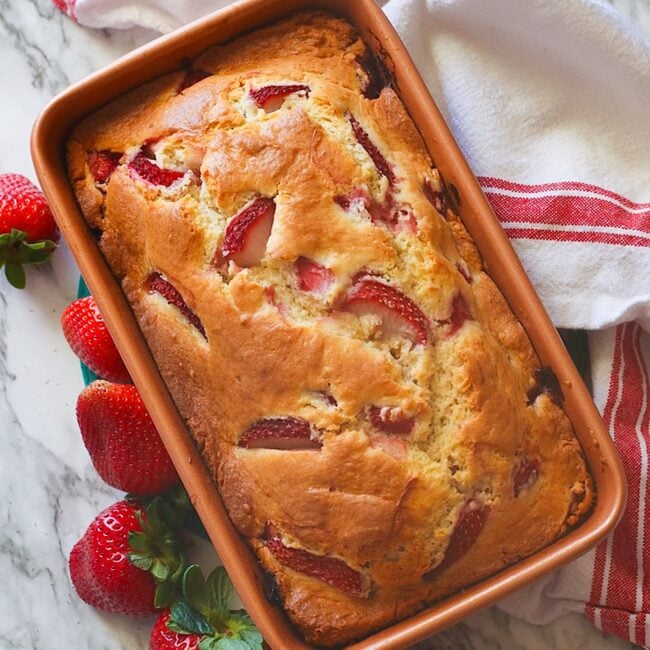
(550, 102)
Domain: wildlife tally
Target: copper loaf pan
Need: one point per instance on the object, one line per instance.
(167, 54)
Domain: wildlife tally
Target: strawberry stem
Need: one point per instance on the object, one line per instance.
(158, 549)
(15, 251)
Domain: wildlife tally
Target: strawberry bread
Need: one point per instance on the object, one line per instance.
(375, 418)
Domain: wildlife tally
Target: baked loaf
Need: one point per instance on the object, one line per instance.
(373, 414)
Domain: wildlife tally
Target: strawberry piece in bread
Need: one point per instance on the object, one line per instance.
(248, 232)
(157, 284)
(270, 97)
(331, 570)
(400, 316)
(280, 433)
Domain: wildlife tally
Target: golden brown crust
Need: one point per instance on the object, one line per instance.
(389, 506)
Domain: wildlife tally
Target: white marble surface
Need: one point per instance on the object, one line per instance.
(49, 490)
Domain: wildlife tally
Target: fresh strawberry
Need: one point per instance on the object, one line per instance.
(469, 525)
(149, 171)
(202, 618)
(280, 433)
(382, 165)
(525, 474)
(400, 316)
(270, 98)
(157, 284)
(390, 420)
(459, 314)
(162, 638)
(122, 441)
(102, 164)
(312, 277)
(129, 560)
(66, 6)
(28, 234)
(331, 570)
(87, 334)
(248, 231)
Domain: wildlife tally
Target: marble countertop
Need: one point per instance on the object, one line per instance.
(49, 489)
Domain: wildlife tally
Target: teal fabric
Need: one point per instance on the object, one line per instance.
(88, 375)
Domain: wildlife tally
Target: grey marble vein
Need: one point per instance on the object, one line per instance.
(49, 490)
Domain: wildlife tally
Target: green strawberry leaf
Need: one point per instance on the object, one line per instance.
(13, 237)
(219, 590)
(240, 625)
(143, 561)
(208, 643)
(138, 542)
(253, 638)
(154, 520)
(195, 589)
(165, 594)
(29, 255)
(15, 274)
(158, 547)
(159, 570)
(44, 244)
(15, 251)
(231, 644)
(186, 619)
(177, 506)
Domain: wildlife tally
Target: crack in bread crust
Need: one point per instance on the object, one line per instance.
(425, 433)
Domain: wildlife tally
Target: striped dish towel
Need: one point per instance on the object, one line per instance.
(551, 109)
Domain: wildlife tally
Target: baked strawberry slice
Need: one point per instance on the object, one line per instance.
(471, 521)
(459, 314)
(331, 570)
(390, 420)
(248, 232)
(280, 433)
(86, 333)
(525, 474)
(400, 316)
(312, 277)
(270, 98)
(157, 284)
(382, 165)
(150, 172)
(328, 397)
(357, 200)
(463, 269)
(102, 164)
(390, 444)
(437, 199)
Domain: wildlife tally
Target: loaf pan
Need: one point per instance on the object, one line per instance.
(169, 53)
